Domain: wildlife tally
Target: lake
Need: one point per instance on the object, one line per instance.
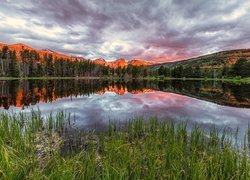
(94, 103)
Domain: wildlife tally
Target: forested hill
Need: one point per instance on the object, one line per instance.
(21, 49)
(221, 64)
(215, 60)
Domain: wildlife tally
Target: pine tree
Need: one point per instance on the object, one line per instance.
(167, 72)
(14, 65)
(49, 65)
(4, 56)
(25, 55)
(40, 71)
(225, 71)
(161, 71)
(32, 69)
(238, 67)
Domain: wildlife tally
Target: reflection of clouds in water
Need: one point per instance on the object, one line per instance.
(97, 110)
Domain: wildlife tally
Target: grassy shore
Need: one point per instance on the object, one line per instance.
(34, 148)
(46, 78)
(233, 80)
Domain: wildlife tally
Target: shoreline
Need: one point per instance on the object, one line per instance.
(234, 80)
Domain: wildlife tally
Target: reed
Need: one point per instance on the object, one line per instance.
(32, 147)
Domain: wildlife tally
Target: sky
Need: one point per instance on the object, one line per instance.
(151, 30)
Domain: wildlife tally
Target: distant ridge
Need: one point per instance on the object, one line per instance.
(20, 47)
(214, 60)
(115, 64)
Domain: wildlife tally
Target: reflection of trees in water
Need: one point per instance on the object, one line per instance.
(214, 91)
(8, 93)
(241, 92)
(29, 92)
(24, 93)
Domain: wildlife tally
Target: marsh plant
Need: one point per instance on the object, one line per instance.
(33, 147)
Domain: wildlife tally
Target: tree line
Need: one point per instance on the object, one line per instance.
(31, 64)
(26, 92)
(240, 69)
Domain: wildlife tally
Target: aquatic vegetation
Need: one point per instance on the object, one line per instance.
(33, 147)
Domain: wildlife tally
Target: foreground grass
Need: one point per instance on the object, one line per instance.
(34, 148)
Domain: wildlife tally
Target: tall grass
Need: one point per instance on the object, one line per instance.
(35, 148)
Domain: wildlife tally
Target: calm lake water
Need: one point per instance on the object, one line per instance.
(95, 102)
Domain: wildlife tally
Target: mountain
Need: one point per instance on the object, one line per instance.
(119, 63)
(20, 47)
(123, 63)
(210, 61)
(140, 63)
(101, 61)
(115, 64)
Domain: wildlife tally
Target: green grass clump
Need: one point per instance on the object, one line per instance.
(32, 147)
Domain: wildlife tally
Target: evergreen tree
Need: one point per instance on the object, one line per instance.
(32, 69)
(25, 56)
(49, 65)
(167, 72)
(225, 71)
(145, 72)
(14, 65)
(4, 56)
(161, 71)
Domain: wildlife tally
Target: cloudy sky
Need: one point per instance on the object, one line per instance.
(153, 30)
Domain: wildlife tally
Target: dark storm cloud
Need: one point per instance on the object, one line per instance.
(66, 12)
(156, 30)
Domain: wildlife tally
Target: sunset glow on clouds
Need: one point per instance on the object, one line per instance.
(153, 30)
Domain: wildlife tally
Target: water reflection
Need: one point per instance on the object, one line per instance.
(223, 93)
(95, 102)
(30, 92)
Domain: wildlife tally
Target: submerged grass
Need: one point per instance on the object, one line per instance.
(34, 148)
